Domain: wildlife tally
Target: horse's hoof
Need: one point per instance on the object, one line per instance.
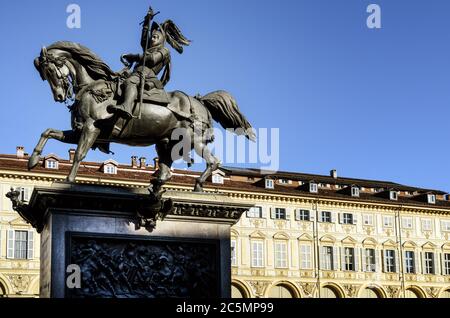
(33, 161)
(198, 188)
(70, 180)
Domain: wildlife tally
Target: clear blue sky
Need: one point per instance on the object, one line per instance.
(371, 103)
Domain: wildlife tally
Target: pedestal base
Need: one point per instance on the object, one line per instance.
(91, 230)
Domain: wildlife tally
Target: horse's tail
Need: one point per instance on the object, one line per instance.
(225, 111)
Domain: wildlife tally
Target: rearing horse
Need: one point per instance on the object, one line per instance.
(72, 69)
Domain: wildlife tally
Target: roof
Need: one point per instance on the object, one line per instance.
(128, 174)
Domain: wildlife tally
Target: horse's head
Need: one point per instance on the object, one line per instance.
(52, 67)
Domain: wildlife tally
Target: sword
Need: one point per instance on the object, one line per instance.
(141, 91)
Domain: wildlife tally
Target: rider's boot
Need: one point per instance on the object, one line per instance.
(124, 110)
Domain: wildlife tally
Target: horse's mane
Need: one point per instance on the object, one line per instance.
(96, 68)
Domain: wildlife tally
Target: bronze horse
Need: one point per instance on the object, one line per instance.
(73, 70)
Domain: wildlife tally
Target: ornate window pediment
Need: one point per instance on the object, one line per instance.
(281, 236)
(429, 245)
(305, 237)
(327, 239)
(389, 243)
(349, 241)
(370, 242)
(257, 235)
(409, 244)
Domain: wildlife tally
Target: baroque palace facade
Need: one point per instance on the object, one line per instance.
(307, 235)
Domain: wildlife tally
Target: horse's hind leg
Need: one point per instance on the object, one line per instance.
(165, 163)
(67, 136)
(212, 163)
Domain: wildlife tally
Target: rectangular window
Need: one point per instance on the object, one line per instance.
(280, 213)
(327, 258)
(313, 188)
(305, 256)
(349, 258)
(388, 221)
(255, 212)
(233, 253)
(429, 263)
(355, 192)
(407, 222)
(51, 164)
(368, 219)
(445, 226)
(21, 244)
(389, 261)
(269, 184)
(326, 216)
(447, 263)
(281, 254)
(347, 218)
(369, 260)
(303, 215)
(410, 267)
(257, 254)
(217, 178)
(427, 225)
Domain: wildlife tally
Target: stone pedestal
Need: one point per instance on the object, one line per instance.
(93, 229)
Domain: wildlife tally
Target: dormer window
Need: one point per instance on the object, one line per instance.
(431, 199)
(284, 181)
(355, 192)
(269, 184)
(393, 195)
(110, 169)
(217, 178)
(313, 188)
(51, 164)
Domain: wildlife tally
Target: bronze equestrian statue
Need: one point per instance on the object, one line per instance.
(134, 109)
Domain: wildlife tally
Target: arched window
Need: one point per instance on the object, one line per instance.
(237, 292)
(411, 293)
(370, 293)
(329, 292)
(280, 291)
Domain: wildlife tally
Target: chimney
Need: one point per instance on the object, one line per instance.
(156, 163)
(333, 174)
(71, 155)
(20, 152)
(134, 162)
(142, 162)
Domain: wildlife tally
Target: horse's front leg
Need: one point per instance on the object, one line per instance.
(67, 136)
(88, 137)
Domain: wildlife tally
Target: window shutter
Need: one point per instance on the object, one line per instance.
(356, 251)
(342, 250)
(30, 252)
(312, 215)
(320, 216)
(339, 218)
(272, 213)
(297, 214)
(397, 261)
(26, 193)
(10, 244)
(416, 262)
(404, 261)
(322, 257)
(384, 252)
(377, 260)
(363, 259)
(423, 263)
(435, 263)
(442, 263)
(288, 214)
(263, 212)
(355, 218)
(336, 258)
(333, 217)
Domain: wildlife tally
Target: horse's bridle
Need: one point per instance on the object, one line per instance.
(59, 62)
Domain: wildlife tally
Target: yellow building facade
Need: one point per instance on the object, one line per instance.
(307, 235)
